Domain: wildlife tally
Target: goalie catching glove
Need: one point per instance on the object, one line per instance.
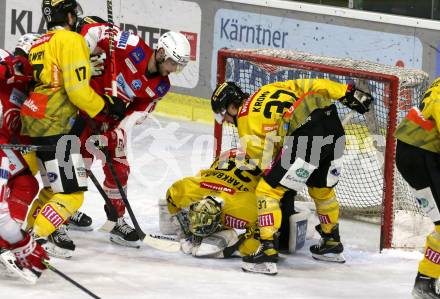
(357, 99)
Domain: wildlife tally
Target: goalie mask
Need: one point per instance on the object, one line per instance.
(225, 94)
(205, 216)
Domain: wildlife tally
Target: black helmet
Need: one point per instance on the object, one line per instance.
(55, 11)
(88, 20)
(225, 94)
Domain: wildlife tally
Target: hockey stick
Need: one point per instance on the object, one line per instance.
(111, 49)
(28, 147)
(55, 270)
(156, 241)
(112, 214)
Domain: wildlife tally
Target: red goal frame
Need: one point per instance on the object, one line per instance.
(390, 151)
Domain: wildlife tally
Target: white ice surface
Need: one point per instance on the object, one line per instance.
(164, 150)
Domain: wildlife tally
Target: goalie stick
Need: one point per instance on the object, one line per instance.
(55, 270)
(156, 241)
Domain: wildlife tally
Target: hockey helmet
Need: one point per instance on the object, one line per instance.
(26, 41)
(55, 11)
(205, 215)
(225, 94)
(176, 47)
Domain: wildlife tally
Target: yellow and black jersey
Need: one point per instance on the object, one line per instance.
(60, 60)
(229, 178)
(421, 126)
(261, 115)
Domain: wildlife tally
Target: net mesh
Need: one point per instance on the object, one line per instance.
(361, 187)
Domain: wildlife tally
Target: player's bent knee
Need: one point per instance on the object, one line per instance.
(56, 212)
(265, 190)
(269, 216)
(322, 194)
(24, 188)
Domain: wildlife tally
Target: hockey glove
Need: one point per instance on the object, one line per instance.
(357, 99)
(97, 64)
(30, 254)
(18, 70)
(115, 107)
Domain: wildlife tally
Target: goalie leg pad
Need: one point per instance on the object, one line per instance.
(166, 225)
(298, 231)
(213, 245)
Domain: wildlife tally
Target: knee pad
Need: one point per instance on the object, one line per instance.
(23, 189)
(327, 207)
(265, 190)
(59, 208)
(430, 265)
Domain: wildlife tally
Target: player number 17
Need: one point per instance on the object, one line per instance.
(81, 71)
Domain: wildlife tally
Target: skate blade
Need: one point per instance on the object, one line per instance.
(107, 226)
(162, 242)
(56, 251)
(263, 268)
(120, 241)
(80, 228)
(7, 260)
(417, 295)
(330, 257)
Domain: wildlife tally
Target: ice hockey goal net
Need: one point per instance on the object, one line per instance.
(370, 187)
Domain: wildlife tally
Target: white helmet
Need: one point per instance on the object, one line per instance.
(176, 47)
(26, 41)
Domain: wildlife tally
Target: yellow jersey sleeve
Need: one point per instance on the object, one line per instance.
(74, 61)
(324, 87)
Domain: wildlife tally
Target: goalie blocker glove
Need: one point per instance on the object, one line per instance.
(357, 99)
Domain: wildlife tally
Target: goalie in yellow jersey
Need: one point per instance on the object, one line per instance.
(51, 116)
(208, 209)
(418, 160)
(296, 122)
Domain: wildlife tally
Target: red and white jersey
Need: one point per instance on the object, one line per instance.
(131, 56)
(12, 97)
